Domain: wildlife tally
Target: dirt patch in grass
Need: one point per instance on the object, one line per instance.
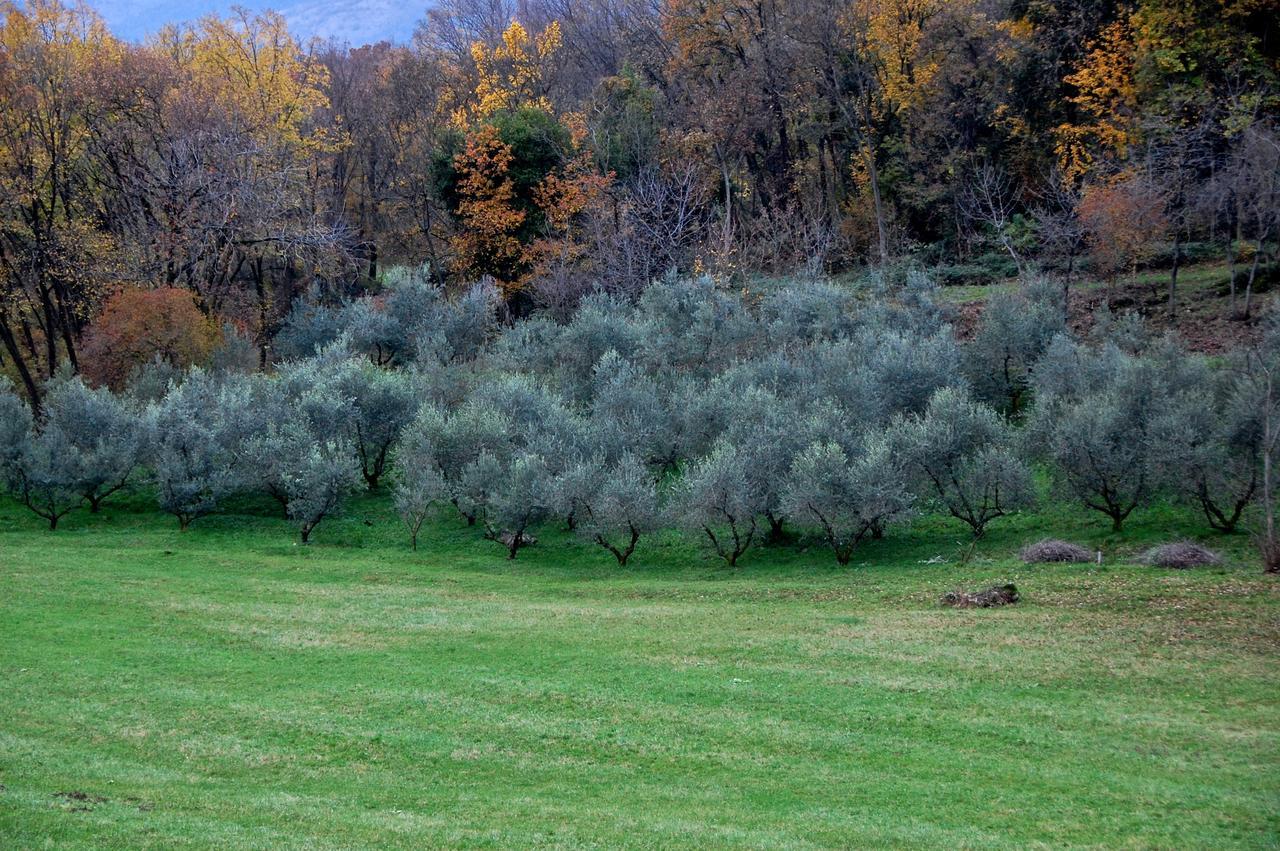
(77, 801)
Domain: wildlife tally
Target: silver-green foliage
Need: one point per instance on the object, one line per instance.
(962, 454)
(847, 498)
(196, 444)
(716, 498)
(613, 504)
(101, 437)
(319, 475)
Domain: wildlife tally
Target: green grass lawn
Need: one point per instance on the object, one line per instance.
(227, 688)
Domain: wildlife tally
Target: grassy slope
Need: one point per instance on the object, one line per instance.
(1204, 319)
(227, 688)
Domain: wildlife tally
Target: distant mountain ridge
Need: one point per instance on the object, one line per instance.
(355, 21)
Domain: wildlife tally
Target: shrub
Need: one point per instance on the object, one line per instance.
(137, 326)
(1180, 555)
(984, 269)
(1124, 222)
(1051, 550)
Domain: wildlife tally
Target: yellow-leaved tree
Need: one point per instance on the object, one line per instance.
(1106, 97)
(56, 258)
(522, 178)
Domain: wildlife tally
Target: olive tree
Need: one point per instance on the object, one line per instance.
(689, 325)
(15, 429)
(614, 504)
(962, 453)
(634, 405)
(468, 447)
(1207, 448)
(37, 470)
(318, 475)
(382, 404)
(310, 326)
(418, 484)
(804, 312)
(194, 449)
(101, 437)
(602, 323)
(847, 498)
(83, 446)
(1013, 334)
(907, 367)
(769, 433)
(520, 496)
(717, 499)
(460, 330)
(1094, 421)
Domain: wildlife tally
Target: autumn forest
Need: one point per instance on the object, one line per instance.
(223, 169)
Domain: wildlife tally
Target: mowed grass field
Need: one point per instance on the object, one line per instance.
(226, 688)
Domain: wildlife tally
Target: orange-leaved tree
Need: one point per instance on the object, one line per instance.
(522, 177)
(1124, 221)
(136, 326)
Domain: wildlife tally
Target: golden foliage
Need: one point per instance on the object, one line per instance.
(486, 242)
(255, 70)
(511, 73)
(1106, 96)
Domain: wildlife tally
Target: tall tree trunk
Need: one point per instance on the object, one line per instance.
(1253, 274)
(20, 364)
(873, 174)
(1231, 269)
(1173, 274)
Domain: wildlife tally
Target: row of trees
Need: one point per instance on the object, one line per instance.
(812, 409)
(557, 147)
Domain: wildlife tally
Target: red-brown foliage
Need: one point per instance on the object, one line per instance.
(137, 325)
